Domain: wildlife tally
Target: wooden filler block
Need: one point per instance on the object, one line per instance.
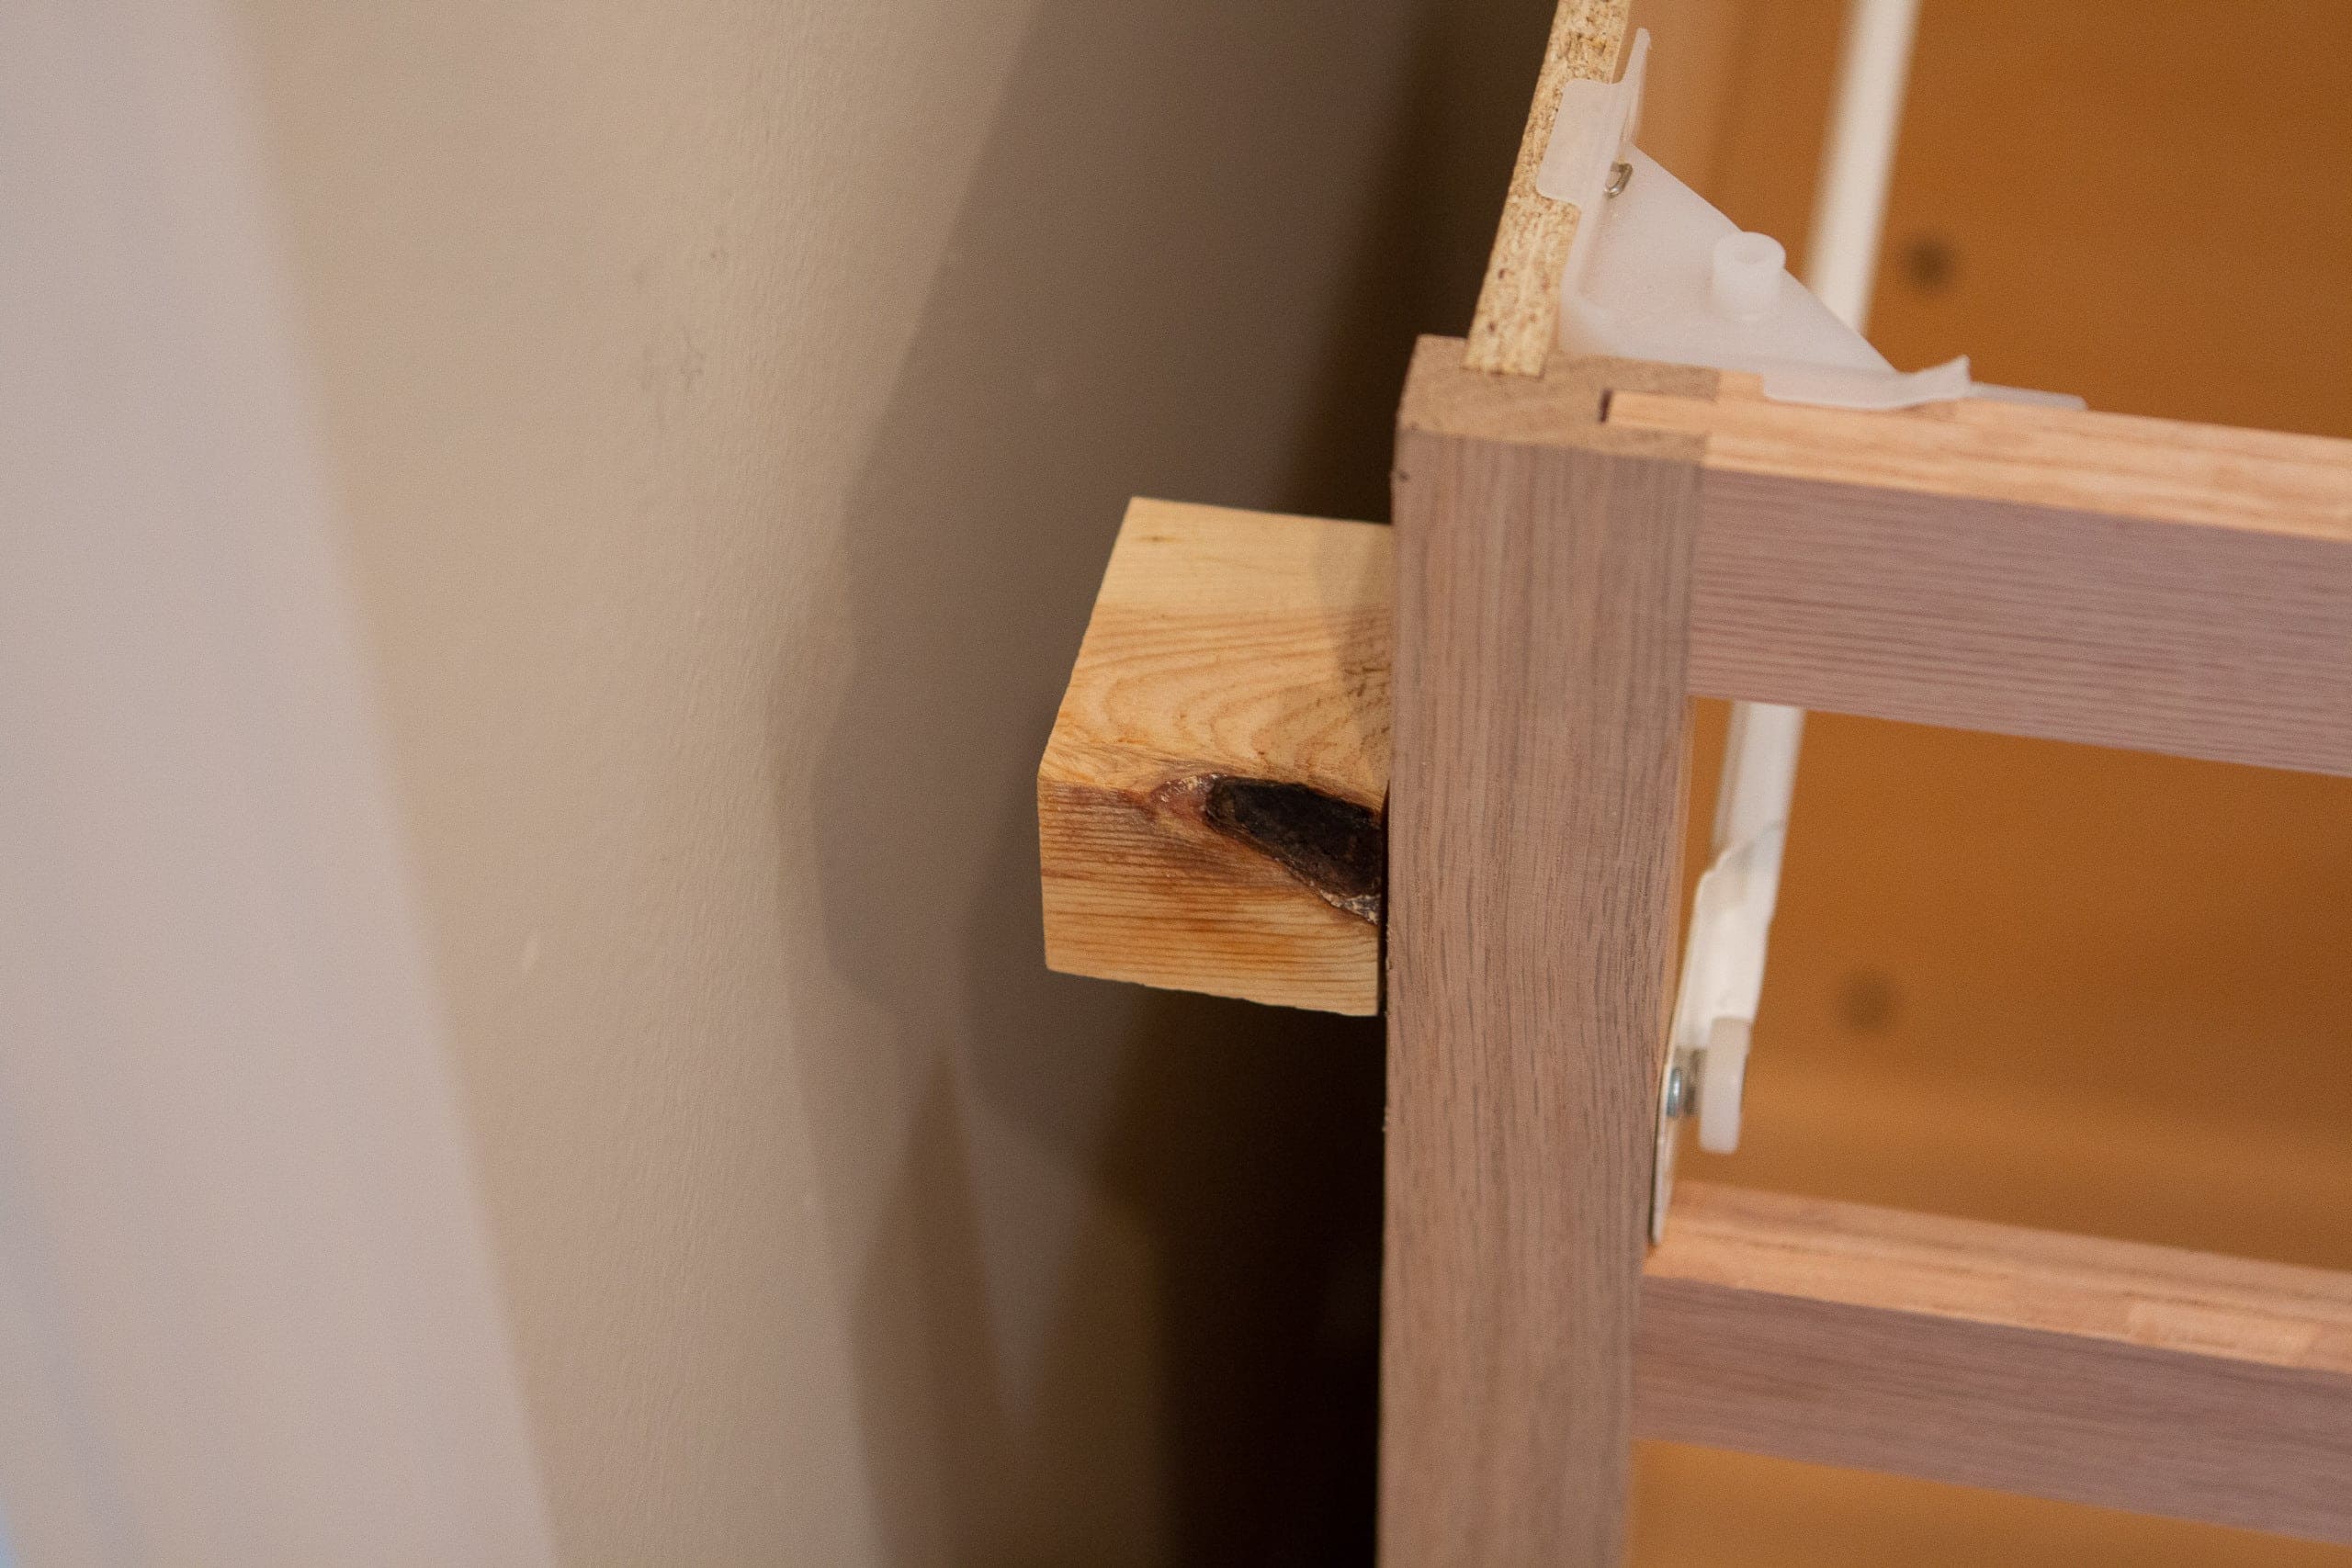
(1435, 772)
(1210, 804)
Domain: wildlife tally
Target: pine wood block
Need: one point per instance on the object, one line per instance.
(1210, 802)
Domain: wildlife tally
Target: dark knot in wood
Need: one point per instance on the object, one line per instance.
(1338, 848)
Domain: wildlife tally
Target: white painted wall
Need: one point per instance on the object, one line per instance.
(730, 405)
(248, 1312)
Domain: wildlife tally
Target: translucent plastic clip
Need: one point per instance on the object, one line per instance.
(1655, 273)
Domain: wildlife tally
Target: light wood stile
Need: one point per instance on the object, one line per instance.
(1543, 587)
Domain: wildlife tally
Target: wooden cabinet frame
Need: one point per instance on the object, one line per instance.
(1575, 554)
(1579, 547)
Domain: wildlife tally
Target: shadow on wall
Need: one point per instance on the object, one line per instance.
(1122, 1303)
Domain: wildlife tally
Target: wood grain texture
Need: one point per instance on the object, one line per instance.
(1541, 596)
(1519, 304)
(2056, 1366)
(2041, 146)
(2054, 458)
(2135, 583)
(1210, 802)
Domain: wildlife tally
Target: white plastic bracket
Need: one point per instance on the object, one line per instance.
(1722, 960)
(1655, 272)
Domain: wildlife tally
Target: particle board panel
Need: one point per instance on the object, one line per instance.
(1518, 317)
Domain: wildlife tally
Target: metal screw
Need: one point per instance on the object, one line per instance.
(1680, 1092)
(1620, 177)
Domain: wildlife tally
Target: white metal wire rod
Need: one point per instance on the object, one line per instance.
(1858, 159)
(1842, 259)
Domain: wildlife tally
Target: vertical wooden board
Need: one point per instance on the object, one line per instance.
(1535, 820)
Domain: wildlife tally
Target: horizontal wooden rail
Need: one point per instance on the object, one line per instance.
(2090, 577)
(2056, 1366)
(1210, 802)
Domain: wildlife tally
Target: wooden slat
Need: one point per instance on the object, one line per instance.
(2053, 459)
(1209, 805)
(1519, 305)
(2086, 1371)
(1541, 596)
(2133, 582)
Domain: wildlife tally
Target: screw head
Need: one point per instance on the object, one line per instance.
(1681, 1092)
